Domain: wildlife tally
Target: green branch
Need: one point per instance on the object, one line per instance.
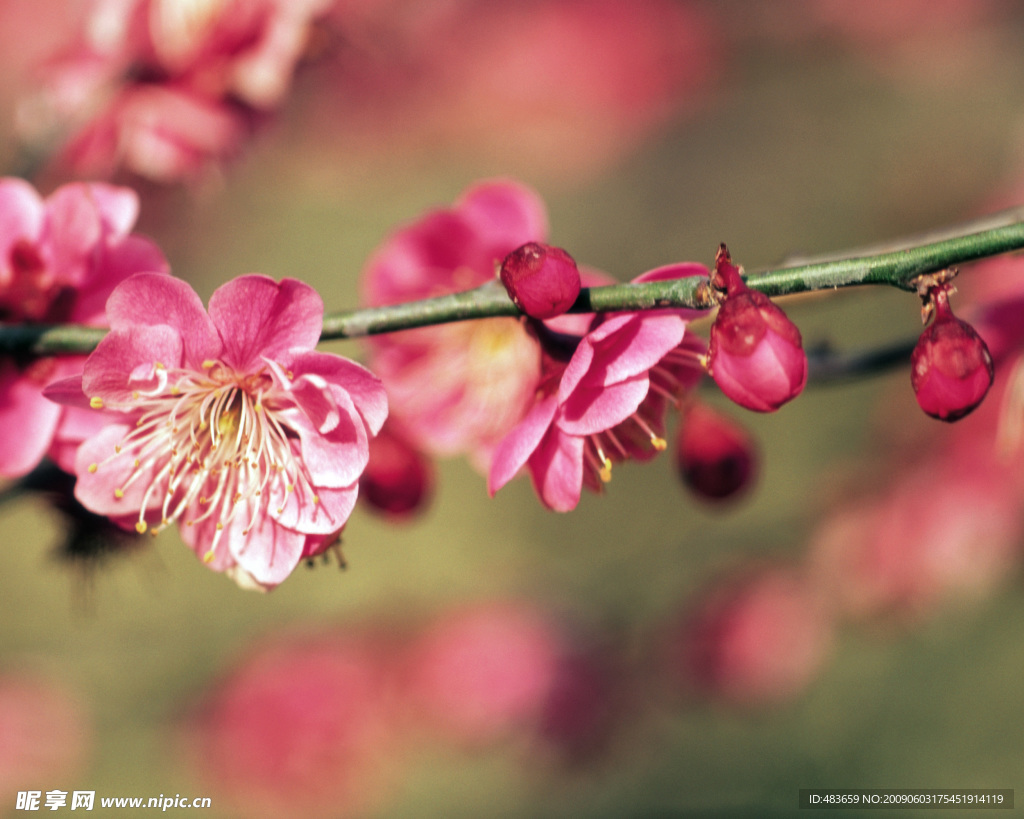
(896, 268)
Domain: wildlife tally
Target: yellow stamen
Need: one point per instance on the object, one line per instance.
(96, 402)
(658, 443)
(118, 493)
(93, 468)
(605, 472)
(141, 527)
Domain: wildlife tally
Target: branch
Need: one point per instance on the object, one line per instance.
(896, 268)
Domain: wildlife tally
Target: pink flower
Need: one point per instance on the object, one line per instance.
(600, 406)
(484, 670)
(165, 87)
(754, 640)
(457, 388)
(60, 258)
(716, 458)
(301, 727)
(230, 423)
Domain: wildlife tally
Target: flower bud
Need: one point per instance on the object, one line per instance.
(951, 368)
(716, 457)
(755, 353)
(543, 281)
(398, 478)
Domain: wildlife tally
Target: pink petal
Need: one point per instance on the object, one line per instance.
(95, 489)
(68, 392)
(590, 410)
(148, 299)
(557, 470)
(134, 254)
(73, 229)
(118, 207)
(29, 421)
(21, 215)
(269, 553)
(504, 215)
(75, 426)
(110, 372)
(677, 270)
(518, 446)
(328, 514)
(257, 316)
(335, 458)
(366, 390)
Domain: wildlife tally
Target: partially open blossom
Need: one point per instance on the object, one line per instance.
(301, 727)
(543, 281)
(716, 457)
(951, 369)
(60, 258)
(755, 353)
(756, 639)
(229, 423)
(606, 404)
(457, 388)
(398, 478)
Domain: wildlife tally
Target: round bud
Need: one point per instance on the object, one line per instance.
(398, 478)
(951, 368)
(543, 281)
(716, 457)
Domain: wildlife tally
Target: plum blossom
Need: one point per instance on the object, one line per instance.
(229, 423)
(164, 88)
(60, 258)
(457, 388)
(607, 403)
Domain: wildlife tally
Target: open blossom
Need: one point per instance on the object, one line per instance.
(606, 404)
(457, 388)
(229, 423)
(60, 258)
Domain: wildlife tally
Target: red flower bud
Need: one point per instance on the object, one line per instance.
(755, 353)
(715, 456)
(398, 478)
(543, 281)
(951, 368)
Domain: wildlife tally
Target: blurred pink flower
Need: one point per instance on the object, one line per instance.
(457, 388)
(754, 639)
(44, 734)
(60, 258)
(229, 422)
(164, 88)
(300, 728)
(483, 671)
(398, 479)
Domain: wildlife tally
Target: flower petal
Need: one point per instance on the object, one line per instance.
(557, 470)
(590, 410)
(134, 254)
(148, 299)
(365, 389)
(103, 472)
(257, 316)
(28, 418)
(337, 457)
(518, 446)
(21, 215)
(295, 510)
(110, 372)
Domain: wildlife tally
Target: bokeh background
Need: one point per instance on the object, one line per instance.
(790, 128)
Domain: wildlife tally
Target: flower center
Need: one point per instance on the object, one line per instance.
(213, 440)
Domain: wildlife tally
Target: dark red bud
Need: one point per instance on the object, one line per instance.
(543, 281)
(951, 368)
(716, 457)
(398, 478)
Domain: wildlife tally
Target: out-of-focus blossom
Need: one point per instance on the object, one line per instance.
(757, 639)
(44, 734)
(716, 457)
(300, 729)
(483, 671)
(542, 281)
(60, 258)
(559, 88)
(755, 353)
(398, 479)
(457, 388)
(599, 407)
(230, 423)
(165, 88)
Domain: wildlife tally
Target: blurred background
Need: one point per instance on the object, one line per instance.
(650, 653)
